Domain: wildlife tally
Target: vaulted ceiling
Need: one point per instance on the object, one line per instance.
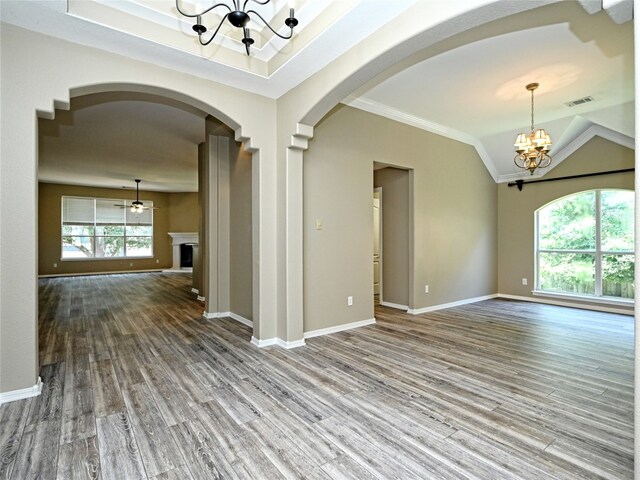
(470, 88)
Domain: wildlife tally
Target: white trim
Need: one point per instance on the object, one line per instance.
(233, 316)
(263, 343)
(424, 124)
(178, 270)
(278, 342)
(241, 319)
(339, 328)
(84, 274)
(457, 303)
(593, 131)
(598, 308)
(395, 305)
(12, 396)
(585, 298)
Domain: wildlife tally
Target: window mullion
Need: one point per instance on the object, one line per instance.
(598, 259)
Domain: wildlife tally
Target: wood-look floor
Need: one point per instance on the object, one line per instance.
(139, 385)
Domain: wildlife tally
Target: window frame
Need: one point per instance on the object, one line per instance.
(598, 254)
(95, 226)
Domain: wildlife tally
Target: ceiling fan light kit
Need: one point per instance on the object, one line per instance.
(137, 206)
(532, 149)
(239, 17)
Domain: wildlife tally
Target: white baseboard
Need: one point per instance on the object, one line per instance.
(278, 342)
(466, 301)
(241, 319)
(178, 270)
(395, 305)
(234, 316)
(339, 328)
(85, 274)
(29, 392)
(550, 301)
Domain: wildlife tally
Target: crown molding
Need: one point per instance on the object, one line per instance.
(423, 124)
(594, 130)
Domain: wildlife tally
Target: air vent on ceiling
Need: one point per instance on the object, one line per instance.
(580, 101)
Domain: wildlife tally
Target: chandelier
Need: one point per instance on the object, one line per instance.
(532, 150)
(238, 17)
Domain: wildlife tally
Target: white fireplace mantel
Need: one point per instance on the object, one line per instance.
(177, 239)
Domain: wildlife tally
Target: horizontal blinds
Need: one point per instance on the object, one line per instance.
(109, 212)
(142, 218)
(91, 211)
(78, 211)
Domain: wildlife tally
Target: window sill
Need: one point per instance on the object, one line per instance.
(585, 298)
(100, 259)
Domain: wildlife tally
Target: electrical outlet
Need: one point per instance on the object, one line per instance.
(55, 265)
(131, 264)
(426, 289)
(157, 260)
(318, 224)
(524, 281)
(349, 301)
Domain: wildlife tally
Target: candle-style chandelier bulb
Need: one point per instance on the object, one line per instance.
(532, 149)
(239, 17)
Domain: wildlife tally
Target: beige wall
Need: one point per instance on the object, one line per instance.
(516, 209)
(228, 211)
(395, 184)
(183, 211)
(453, 202)
(174, 210)
(241, 256)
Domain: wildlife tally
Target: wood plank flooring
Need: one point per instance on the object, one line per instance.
(138, 385)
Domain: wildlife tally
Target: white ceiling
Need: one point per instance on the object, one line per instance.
(470, 89)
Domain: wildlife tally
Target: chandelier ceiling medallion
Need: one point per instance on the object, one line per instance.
(532, 149)
(238, 16)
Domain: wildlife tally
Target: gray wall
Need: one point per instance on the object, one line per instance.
(516, 209)
(453, 203)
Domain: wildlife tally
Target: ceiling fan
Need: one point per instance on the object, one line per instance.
(136, 206)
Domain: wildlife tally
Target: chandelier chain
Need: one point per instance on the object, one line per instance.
(532, 127)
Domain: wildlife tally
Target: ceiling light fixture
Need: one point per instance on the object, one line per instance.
(532, 150)
(238, 17)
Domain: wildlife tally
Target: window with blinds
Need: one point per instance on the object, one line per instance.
(105, 228)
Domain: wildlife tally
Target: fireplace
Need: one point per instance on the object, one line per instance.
(186, 255)
(183, 243)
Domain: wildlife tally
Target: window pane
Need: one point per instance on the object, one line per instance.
(77, 230)
(77, 247)
(109, 246)
(77, 210)
(617, 220)
(141, 218)
(567, 273)
(110, 230)
(139, 247)
(109, 211)
(617, 275)
(139, 230)
(568, 224)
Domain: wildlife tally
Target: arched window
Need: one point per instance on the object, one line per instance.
(584, 245)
